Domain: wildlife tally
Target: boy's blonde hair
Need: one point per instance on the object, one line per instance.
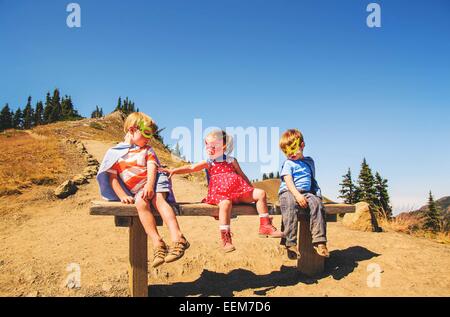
(225, 137)
(134, 118)
(289, 137)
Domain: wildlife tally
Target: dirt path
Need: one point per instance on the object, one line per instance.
(35, 252)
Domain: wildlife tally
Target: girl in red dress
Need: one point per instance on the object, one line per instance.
(228, 185)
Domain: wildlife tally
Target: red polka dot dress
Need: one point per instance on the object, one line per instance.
(224, 182)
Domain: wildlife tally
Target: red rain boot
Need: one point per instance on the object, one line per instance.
(266, 229)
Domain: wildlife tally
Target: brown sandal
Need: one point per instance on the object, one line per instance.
(159, 253)
(176, 250)
(322, 250)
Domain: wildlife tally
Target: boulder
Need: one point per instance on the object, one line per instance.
(65, 189)
(79, 179)
(362, 219)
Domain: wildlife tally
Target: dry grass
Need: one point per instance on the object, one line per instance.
(412, 225)
(26, 160)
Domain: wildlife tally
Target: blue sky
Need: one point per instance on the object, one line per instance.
(380, 93)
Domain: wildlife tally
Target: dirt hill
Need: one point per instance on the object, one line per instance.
(42, 238)
(271, 187)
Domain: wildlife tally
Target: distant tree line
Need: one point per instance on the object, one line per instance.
(126, 107)
(368, 188)
(55, 109)
(270, 176)
(97, 113)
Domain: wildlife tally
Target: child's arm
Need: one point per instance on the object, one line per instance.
(192, 168)
(149, 191)
(240, 172)
(299, 197)
(115, 185)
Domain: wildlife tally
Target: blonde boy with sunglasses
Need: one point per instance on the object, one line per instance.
(129, 173)
(299, 190)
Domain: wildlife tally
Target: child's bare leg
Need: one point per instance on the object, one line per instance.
(260, 197)
(168, 216)
(266, 229)
(148, 221)
(225, 212)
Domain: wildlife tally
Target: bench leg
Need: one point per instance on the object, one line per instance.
(309, 262)
(137, 269)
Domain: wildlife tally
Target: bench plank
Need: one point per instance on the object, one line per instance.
(113, 208)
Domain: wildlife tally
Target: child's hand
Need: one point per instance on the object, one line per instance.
(301, 200)
(147, 193)
(166, 170)
(127, 200)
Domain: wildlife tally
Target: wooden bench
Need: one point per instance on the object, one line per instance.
(309, 262)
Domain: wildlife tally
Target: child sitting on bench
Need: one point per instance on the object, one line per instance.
(229, 185)
(299, 190)
(129, 173)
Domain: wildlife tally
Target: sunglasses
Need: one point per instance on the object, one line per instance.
(293, 148)
(145, 131)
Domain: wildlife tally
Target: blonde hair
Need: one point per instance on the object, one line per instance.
(227, 140)
(134, 118)
(289, 137)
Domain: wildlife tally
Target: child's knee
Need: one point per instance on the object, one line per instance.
(260, 194)
(225, 204)
(158, 199)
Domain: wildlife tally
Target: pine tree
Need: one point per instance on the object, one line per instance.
(271, 175)
(28, 115)
(56, 113)
(6, 118)
(348, 189)
(67, 111)
(264, 176)
(278, 175)
(119, 105)
(48, 108)
(39, 113)
(431, 216)
(383, 200)
(177, 151)
(18, 119)
(97, 113)
(366, 188)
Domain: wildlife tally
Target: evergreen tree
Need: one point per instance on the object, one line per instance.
(97, 113)
(348, 189)
(67, 111)
(56, 113)
(177, 151)
(18, 119)
(383, 200)
(39, 113)
(366, 183)
(28, 115)
(264, 176)
(6, 118)
(271, 175)
(431, 216)
(48, 108)
(119, 105)
(278, 175)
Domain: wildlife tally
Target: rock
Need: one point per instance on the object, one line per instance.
(33, 294)
(92, 162)
(90, 171)
(79, 179)
(362, 219)
(65, 189)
